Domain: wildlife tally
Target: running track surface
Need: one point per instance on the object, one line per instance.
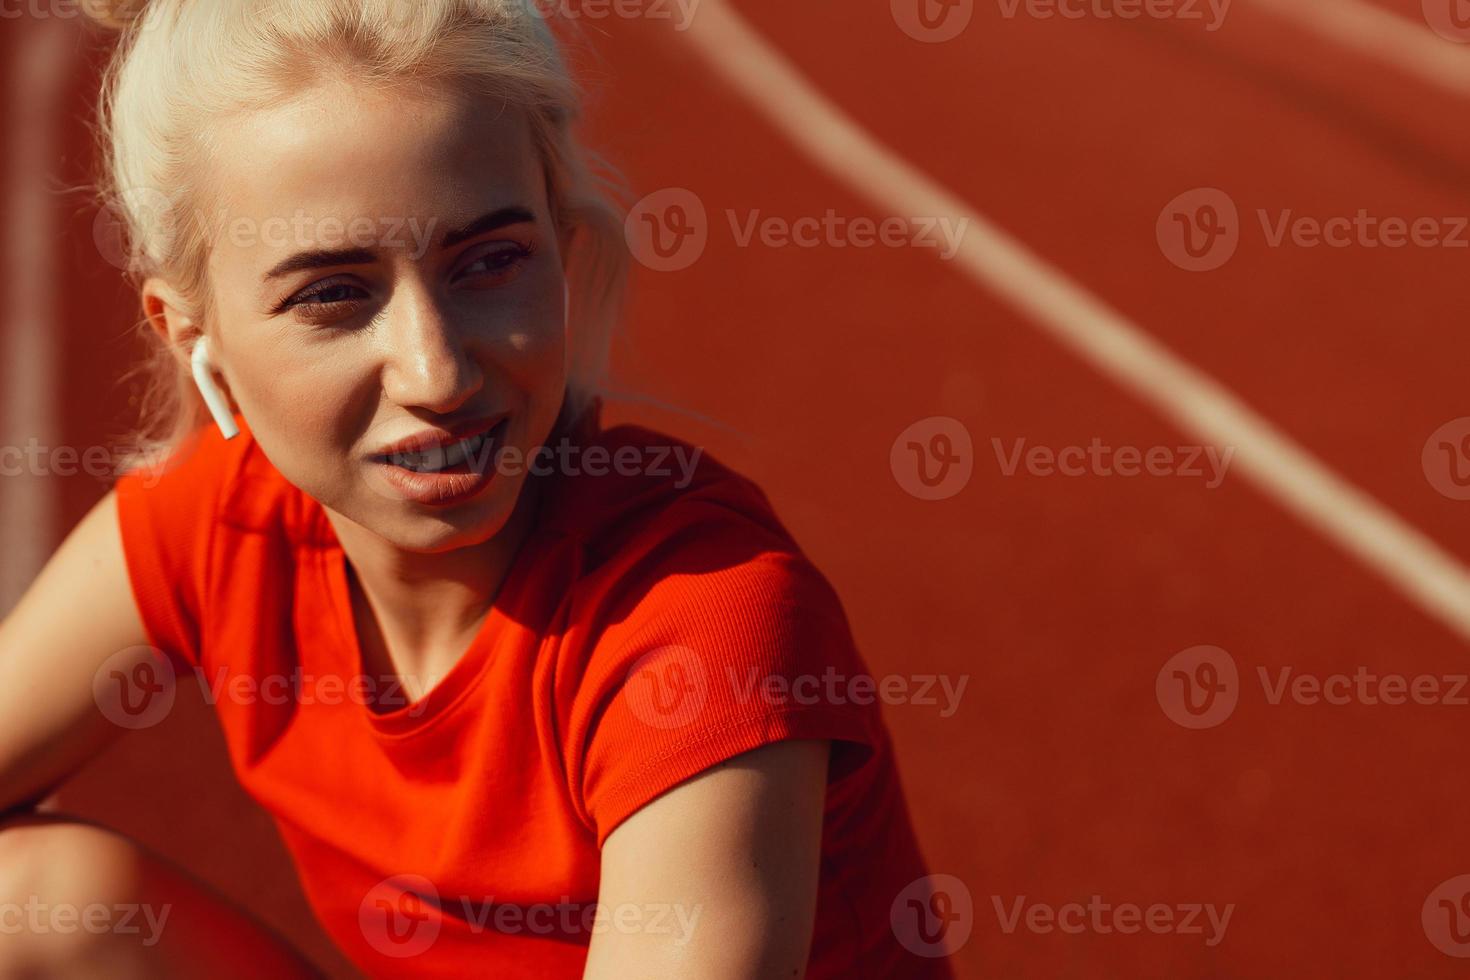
(1061, 775)
(1061, 598)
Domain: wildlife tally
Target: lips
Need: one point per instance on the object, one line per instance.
(444, 474)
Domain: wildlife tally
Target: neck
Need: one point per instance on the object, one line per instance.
(417, 613)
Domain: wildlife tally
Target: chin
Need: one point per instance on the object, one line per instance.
(432, 530)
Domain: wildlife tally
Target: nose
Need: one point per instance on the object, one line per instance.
(427, 363)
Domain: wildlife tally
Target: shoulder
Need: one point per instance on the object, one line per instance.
(169, 509)
(700, 625)
(628, 490)
(674, 536)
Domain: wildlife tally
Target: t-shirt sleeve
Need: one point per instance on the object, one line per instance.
(167, 516)
(723, 638)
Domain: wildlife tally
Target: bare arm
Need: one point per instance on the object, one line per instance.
(76, 614)
(728, 863)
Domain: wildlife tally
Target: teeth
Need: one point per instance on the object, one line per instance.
(442, 457)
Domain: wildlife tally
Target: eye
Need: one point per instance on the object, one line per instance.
(498, 265)
(325, 298)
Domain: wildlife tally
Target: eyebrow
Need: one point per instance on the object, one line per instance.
(319, 258)
(487, 222)
(324, 257)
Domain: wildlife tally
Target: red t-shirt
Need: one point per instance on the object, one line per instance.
(631, 646)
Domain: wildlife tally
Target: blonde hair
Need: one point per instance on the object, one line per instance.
(180, 64)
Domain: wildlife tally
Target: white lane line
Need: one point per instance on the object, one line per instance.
(29, 337)
(1407, 45)
(1289, 474)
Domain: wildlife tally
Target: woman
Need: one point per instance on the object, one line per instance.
(526, 696)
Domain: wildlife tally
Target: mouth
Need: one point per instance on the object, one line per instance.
(471, 455)
(440, 476)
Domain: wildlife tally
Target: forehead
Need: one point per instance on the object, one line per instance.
(345, 151)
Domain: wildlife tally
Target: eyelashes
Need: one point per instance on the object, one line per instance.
(334, 298)
(317, 295)
(503, 258)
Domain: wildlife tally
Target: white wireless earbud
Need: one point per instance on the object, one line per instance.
(219, 405)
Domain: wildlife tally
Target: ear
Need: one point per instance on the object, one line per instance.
(164, 312)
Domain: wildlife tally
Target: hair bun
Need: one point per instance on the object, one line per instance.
(116, 14)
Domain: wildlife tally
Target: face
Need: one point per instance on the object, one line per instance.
(384, 266)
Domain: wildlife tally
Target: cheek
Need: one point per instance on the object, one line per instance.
(298, 407)
(537, 368)
(536, 354)
(285, 388)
